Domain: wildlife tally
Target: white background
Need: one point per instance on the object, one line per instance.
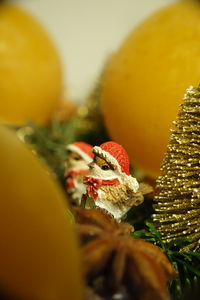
(87, 31)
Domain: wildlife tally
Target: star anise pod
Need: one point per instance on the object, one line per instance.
(120, 262)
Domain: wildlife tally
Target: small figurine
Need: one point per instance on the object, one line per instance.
(109, 184)
(79, 156)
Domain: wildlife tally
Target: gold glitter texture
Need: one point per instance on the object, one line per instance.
(178, 204)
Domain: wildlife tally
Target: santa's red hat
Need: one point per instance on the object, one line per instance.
(117, 156)
(83, 149)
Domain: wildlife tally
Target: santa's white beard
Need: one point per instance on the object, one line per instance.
(78, 191)
(97, 172)
(106, 205)
(101, 202)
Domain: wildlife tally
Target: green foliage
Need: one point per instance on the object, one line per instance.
(138, 215)
(50, 141)
(187, 264)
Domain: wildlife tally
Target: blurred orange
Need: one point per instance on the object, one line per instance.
(30, 68)
(39, 256)
(147, 79)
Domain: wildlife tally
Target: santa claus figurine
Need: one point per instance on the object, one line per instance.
(109, 185)
(78, 157)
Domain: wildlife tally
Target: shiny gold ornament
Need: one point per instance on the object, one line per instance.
(177, 209)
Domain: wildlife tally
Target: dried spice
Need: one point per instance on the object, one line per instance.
(113, 260)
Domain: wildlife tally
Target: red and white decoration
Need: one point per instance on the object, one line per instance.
(83, 149)
(75, 187)
(117, 157)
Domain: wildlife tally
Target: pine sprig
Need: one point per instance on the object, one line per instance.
(138, 215)
(50, 142)
(187, 264)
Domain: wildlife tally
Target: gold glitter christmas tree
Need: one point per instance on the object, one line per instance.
(177, 211)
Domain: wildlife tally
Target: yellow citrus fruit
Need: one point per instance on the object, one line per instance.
(30, 69)
(39, 256)
(147, 78)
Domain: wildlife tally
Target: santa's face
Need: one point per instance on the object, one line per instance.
(100, 168)
(75, 162)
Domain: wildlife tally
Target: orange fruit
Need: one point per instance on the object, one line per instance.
(30, 69)
(147, 78)
(39, 255)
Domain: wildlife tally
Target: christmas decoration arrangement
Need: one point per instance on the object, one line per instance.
(99, 223)
(111, 193)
